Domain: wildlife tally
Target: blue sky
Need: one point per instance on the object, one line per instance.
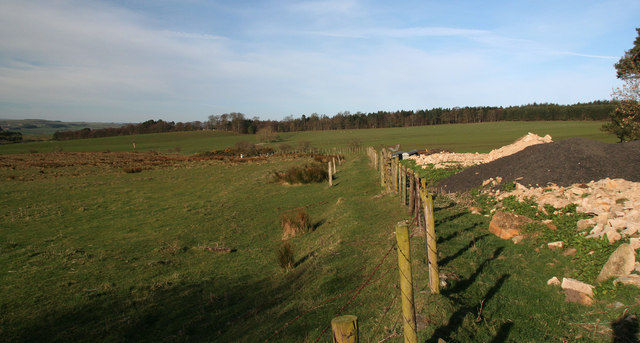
(133, 60)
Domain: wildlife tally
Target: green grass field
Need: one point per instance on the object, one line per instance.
(460, 138)
(92, 253)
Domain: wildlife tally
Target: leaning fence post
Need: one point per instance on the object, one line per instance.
(345, 329)
(406, 283)
(430, 236)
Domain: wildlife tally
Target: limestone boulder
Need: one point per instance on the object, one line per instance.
(631, 279)
(577, 297)
(578, 286)
(508, 225)
(620, 263)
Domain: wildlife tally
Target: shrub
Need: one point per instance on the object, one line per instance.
(267, 135)
(246, 148)
(295, 222)
(285, 256)
(309, 173)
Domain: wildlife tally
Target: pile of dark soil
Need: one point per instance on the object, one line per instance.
(575, 160)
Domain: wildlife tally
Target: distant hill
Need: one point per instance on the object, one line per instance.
(48, 127)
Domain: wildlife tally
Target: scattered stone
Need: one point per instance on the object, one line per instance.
(553, 281)
(620, 263)
(612, 235)
(555, 245)
(631, 279)
(573, 296)
(508, 225)
(585, 224)
(616, 305)
(570, 252)
(578, 286)
(517, 239)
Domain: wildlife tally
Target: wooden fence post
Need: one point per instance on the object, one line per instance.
(382, 164)
(430, 236)
(406, 283)
(345, 329)
(412, 193)
(330, 176)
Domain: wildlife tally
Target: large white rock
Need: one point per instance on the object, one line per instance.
(620, 263)
(578, 286)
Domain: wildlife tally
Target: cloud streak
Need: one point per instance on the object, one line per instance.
(73, 59)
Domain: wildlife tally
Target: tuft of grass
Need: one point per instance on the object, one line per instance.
(508, 186)
(295, 222)
(285, 256)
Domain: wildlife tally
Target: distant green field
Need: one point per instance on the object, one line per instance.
(480, 137)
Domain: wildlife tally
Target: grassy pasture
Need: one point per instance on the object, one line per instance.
(481, 137)
(89, 252)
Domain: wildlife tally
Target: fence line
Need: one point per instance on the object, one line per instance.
(414, 194)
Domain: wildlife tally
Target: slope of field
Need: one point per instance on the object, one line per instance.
(89, 252)
(481, 137)
(92, 253)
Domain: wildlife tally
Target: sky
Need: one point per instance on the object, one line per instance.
(133, 60)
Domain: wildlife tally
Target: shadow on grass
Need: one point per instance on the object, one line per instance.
(503, 333)
(457, 254)
(317, 224)
(209, 311)
(455, 234)
(457, 318)
(462, 286)
(625, 329)
(450, 218)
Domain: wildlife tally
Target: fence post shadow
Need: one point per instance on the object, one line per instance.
(457, 318)
(625, 329)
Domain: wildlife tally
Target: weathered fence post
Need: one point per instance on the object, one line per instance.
(403, 185)
(412, 193)
(406, 283)
(430, 236)
(382, 164)
(333, 159)
(330, 176)
(345, 329)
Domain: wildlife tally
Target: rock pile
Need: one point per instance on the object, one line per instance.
(614, 204)
(448, 159)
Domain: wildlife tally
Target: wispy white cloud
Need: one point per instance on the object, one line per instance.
(380, 32)
(569, 53)
(77, 57)
(325, 7)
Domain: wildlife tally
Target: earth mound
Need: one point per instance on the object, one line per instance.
(567, 162)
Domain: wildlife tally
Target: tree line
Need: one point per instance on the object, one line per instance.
(149, 126)
(239, 123)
